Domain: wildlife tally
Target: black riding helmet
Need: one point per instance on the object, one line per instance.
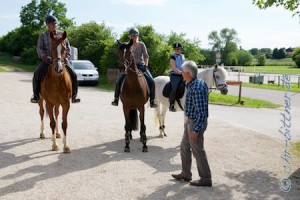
(177, 45)
(51, 19)
(134, 31)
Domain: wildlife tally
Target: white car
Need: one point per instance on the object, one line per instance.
(86, 71)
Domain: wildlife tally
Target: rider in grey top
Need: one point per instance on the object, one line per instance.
(141, 58)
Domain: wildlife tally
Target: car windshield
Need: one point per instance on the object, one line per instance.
(83, 65)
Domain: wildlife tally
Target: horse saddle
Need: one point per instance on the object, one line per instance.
(179, 93)
(145, 79)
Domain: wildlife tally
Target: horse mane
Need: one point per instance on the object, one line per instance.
(223, 71)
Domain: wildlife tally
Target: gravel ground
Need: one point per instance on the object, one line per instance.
(245, 164)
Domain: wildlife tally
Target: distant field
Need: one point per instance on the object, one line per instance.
(273, 69)
(277, 62)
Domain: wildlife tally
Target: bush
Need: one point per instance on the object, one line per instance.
(244, 58)
(232, 59)
(261, 60)
(296, 56)
(29, 56)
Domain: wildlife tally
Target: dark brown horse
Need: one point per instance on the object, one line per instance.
(134, 95)
(56, 89)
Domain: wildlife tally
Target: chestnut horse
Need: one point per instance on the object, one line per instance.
(56, 89)
(134, 95)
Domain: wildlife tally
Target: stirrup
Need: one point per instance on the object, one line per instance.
(152, 104)
(172, 108)
(34, 99)
(115, 102)
(75, 99)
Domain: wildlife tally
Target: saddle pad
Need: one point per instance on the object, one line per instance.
(179, 93)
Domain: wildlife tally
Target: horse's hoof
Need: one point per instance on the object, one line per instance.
(67, 150)
(127, 149)
(42, 136)
(55, 148)
(145, 149)
(58, 135)
(165, 135)
(161, 136)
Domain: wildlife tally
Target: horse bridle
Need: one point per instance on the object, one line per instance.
(218, 86)
(126, 63)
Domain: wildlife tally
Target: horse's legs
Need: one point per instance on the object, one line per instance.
(143, 129)
(56, 108)
(163, 116)
(127, 129)
(42, 113)
(64, 124)
(52, 125)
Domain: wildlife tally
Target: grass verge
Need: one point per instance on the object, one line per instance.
(273, 69)
(217, 98)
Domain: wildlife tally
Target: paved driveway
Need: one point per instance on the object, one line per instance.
(244, 162)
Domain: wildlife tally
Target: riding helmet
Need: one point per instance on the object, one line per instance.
(134, 31)
(177, 45)
(51, 19)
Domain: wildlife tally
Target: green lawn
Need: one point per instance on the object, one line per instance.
(294, 86)
(2, 69)
(277, 62)
(246, 102)
(6, 61)
(273, 69)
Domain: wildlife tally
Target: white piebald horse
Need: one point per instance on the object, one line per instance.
(214, 77)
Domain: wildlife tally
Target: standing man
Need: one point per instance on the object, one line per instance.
(196, 114)
(44, 53)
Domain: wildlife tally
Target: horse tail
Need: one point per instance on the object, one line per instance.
(133, 117)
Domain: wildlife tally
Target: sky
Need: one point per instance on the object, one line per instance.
(271, 28)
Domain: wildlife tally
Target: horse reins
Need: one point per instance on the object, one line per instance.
(216, 82)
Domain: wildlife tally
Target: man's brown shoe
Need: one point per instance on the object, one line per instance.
(201, 182)
(180, 177)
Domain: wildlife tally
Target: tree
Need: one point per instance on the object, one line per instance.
(261, 60)
(244, 58)
(296, 56)
(225, 42)
(254, 51)
(91, 40)
(33, 14)
(281, 53)
(191, 48)
(159, 52)
(275, 53)
(290, 5)
(210, 57)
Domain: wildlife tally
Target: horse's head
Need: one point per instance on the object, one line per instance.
(220, 75)
(215, 76)
(58, 48)
(126, 60)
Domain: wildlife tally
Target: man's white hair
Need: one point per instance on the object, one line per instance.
(190, 67)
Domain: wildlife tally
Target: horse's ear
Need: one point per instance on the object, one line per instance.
(64, 35)
(119, 43)
(130, 43)
(216, 66)
(52, 35)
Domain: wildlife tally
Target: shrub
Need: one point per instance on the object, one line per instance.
(296, 56)
(261, 60)
(29, 56)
